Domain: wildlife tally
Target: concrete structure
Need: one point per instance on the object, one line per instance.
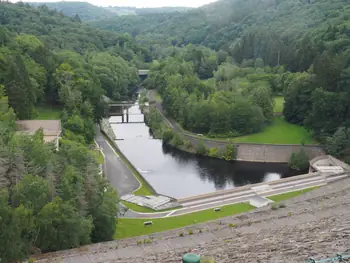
(143, 72)
(51, 128)
(154, 202)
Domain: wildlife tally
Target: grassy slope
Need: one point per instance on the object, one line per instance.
(279, 132)
(285, 196)
(279, 101)
(134, 227)
(48, 113)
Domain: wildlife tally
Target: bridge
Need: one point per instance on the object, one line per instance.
(121, 108)
(143, 72)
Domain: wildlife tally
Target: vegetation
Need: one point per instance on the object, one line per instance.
(278, 107)
(134, 227)
(299, 161)
(279, 132)
(52, 68)
(289, 195)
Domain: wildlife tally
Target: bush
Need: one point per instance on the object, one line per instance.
(214, 152)
(299, 161)
(177, 140)
(201, 149)
(230, 152)
(188, 145)
(168, 135)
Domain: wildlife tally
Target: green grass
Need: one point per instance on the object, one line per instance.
(137, 208)
(279, 100)
(279, 132)
(145, 189)
(134, 227)
(48, 113)
(99, 157)
(285, 196)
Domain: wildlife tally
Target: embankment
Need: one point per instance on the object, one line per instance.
(145, 188)
(250, 152)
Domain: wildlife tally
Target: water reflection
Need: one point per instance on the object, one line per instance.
(179, 174)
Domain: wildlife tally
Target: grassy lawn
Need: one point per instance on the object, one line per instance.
(285, 196)
(137, 208)
(279, 100)
(48, 113)
(134, 227)
(279, 132)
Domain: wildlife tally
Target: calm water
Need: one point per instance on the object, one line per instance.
(178, 174)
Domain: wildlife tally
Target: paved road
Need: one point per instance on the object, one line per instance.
(118, 174)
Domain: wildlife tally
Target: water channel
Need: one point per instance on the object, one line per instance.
(178, 174)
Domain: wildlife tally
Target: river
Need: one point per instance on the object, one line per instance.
(179, 174)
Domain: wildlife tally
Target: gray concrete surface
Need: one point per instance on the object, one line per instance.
(118, 174)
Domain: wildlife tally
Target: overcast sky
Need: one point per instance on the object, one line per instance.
(139, 3)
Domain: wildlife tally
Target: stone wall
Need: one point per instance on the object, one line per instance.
(107, 129)
(277, 153)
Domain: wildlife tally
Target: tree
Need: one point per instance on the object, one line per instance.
(201, 149)
(61, 227)
(229, 152)
(299, 161)
(33, 192)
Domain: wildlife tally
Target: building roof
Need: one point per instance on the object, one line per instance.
(51, 128)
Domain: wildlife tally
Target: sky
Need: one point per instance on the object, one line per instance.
(139, 3)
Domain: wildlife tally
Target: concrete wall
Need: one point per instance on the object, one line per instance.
(277, 153)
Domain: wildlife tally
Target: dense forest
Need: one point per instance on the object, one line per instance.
(89, 12)
(57, 200)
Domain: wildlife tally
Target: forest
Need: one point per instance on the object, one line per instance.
(52, 200)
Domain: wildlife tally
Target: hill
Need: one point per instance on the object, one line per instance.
(222, 24)
(89, 12)
(120, 10)
(84, 10)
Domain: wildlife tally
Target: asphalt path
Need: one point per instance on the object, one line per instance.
(118, 174)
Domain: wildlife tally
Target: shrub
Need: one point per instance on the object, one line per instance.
(177, 140)
(230, 152)
(168, 135)
(190, 232)
(299, 161)
(188, 145)
(201, 149)
(214, 152)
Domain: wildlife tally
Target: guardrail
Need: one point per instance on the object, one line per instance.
(337, 258)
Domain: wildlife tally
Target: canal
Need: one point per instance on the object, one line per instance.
(178, 174)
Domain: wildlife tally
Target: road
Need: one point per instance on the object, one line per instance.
(118, 174)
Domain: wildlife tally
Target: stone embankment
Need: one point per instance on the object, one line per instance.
(316, 224)
(250, 152)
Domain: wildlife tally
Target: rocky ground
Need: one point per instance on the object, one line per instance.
(316, 224)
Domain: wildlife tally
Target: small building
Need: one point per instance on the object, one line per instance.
(51, 128)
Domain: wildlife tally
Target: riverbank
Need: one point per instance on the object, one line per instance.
(252, 152)
(144, 188)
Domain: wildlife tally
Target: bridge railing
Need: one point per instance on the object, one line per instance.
(337, 258)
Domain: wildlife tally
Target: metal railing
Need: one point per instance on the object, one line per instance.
(337, 258)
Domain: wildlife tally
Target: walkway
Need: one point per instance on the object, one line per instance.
(247, 193)
(118, 174)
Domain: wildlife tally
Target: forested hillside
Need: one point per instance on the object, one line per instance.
(89, 12)
(53, 200)
(299, 49)
(84, 10)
